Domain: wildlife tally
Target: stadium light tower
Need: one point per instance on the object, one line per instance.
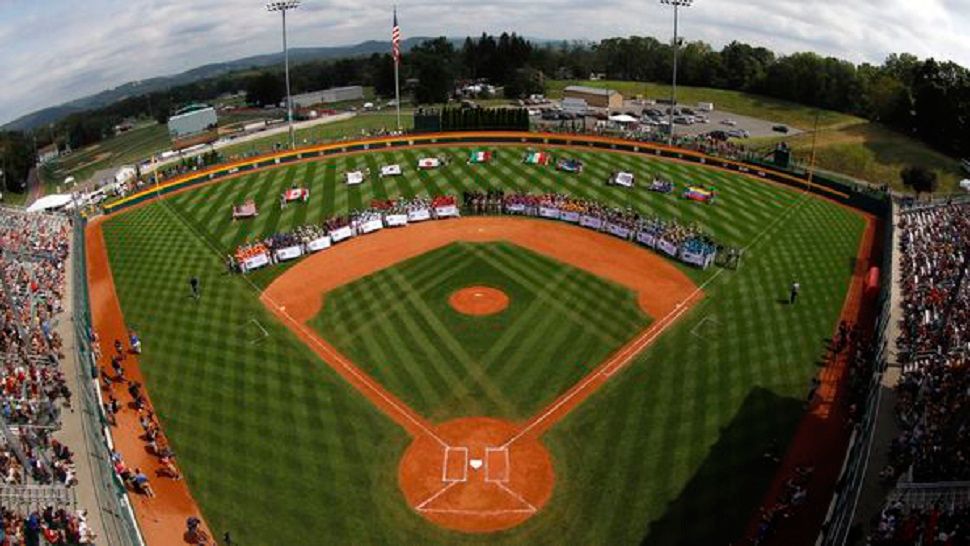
(282, 7)
(677, 4)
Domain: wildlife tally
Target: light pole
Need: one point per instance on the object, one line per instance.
(677, 4)
(282, 7)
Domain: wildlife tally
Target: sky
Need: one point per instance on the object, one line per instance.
(54, 51)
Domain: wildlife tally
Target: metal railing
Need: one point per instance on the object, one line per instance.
(120, 526)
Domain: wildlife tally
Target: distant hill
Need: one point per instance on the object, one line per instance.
(104, 98)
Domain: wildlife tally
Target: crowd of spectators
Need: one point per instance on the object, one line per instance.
(792, 497)
(33, 385)
(54, 525)
(933, 393)
(936, 525)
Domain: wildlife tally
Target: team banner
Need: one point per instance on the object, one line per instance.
(447, 211)
(289, 253)
(667, 248)
(370, 226)
(419, 215)
(570, 216)
(341, 234)
(254, 262)
(622, 232)
(700, 260)
(549, 212)
(648, 239)
(592, 222)
(396, 220)
(317, 245)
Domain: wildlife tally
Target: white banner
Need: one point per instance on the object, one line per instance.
(517, 208)
(370, 226)
(591, 222)
(549, 212)
(289, 253)
(255, 262)
(419, 215)
(317, 245)
(391, 170)
(447, 211)
(622, 232)
(647, 238)
(700, 260)
(396, 220)
(667, 248)
(571, 217)
(338, 235)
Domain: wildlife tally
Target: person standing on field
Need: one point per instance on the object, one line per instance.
(196, 287)
(793, 293)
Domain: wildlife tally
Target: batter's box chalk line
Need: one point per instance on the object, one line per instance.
(254, 331)
(703, 329)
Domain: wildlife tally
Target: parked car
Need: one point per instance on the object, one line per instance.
(729, 123)
(718, 135)
(780, 129)
(738, 133)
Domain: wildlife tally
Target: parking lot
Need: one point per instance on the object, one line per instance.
(716, 120)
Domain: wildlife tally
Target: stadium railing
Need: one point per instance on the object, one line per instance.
(120, 526)
(839, 518)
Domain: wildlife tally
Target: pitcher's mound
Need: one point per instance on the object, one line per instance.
(471, 479)
(479, 301)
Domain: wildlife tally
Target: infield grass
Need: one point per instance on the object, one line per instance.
(279, 451)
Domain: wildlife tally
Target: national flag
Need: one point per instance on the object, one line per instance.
(537, 158)
(396, 40)
(480, 157)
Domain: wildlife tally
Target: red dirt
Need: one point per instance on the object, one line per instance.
(509, 486)
(476, 505)
(823, 434)
(479, 301)
(162, 518)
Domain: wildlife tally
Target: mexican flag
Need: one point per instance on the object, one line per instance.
(537, 158)
(480, 157)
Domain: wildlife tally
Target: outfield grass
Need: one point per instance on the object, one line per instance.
(279, 451)
(757, 106)
(447, 365)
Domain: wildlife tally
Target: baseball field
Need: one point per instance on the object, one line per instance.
(302, 400)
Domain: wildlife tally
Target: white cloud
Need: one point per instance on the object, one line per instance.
(58, 50)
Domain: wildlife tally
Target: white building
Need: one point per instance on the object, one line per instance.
(328, 96)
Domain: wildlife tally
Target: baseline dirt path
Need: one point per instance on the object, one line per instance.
(822, 435)
(480, 474)
(161, 519)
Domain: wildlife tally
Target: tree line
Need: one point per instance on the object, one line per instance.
(927, 99)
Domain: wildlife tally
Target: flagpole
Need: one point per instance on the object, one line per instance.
(397, 79)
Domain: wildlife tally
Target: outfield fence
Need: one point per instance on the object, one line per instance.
(120, 526)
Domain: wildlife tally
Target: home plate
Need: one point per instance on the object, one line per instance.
(476, 463)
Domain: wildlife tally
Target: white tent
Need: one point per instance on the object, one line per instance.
(965, 184)
(125, 174)
(623, 118)
(50, 202)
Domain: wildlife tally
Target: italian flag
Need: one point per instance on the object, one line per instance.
(537, 158)
(480, 157)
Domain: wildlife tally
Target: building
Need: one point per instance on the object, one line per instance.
(192, 120)
(328, 96)
(48, 154)
(575, 106)
(595, 97)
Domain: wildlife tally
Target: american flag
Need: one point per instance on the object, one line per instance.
(396, 40)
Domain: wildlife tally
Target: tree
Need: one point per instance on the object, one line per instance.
(265, 89)
(434, 64)
(919, 178)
